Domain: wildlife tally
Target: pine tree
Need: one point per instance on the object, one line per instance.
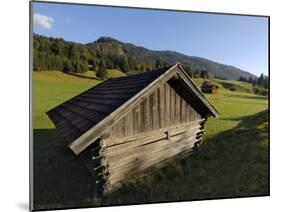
(102, 73)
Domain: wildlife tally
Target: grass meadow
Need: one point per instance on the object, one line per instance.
(232, 161)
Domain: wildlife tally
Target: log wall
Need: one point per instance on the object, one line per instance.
(130, 155)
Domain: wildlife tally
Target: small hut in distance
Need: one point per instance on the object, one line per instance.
(209, 87)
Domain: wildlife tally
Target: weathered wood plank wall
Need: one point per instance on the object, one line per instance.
(127, 156)
(163, 107)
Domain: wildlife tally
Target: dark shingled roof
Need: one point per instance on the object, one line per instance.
(81, 113)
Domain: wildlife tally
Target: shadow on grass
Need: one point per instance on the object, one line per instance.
(232, 164)
(257, 97)
(80, 76)
(60, 179)
(246, 102)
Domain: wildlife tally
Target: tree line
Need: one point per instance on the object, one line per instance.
(195, 73)
(261, 81)
(58, 54)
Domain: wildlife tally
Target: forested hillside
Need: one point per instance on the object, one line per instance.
(108, 53)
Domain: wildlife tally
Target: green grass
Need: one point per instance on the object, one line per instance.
(115, 73)
(233, 160)
(92, 74)
(228, 84)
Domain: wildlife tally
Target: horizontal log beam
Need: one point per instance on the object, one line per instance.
(147, 158)
(172, 130)
(135, 159)
(122, 174)
(130, 147)
(115, 157)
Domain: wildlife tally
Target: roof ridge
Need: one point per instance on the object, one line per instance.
(146, 72)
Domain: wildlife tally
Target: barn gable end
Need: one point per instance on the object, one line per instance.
(162, 107)
(129, 124)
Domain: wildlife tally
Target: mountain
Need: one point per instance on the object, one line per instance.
(170, 57)
(56, 53)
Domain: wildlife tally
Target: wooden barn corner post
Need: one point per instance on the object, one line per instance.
(127, 125)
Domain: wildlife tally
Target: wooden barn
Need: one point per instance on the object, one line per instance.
(209, 88)
(127, 125)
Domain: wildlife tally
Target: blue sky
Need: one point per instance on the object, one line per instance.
(241, 41)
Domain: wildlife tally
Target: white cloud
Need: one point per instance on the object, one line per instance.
(43, 21)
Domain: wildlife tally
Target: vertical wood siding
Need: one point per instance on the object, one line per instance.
(163, 107)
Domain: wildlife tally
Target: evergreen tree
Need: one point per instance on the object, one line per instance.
(266, 82)
(188, 70)
(260, 80)
(102, 73)
(73, 52)
(67, 66)
(242, 79)
(158, 63)
(204, 74)
(80, 67)
(250, 79)
(196, 74)
(124, 64)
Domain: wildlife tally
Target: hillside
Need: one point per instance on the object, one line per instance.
(110, 46)
(52, 53)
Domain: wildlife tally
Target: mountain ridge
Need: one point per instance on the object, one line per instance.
(199, 62)
(53, 53)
